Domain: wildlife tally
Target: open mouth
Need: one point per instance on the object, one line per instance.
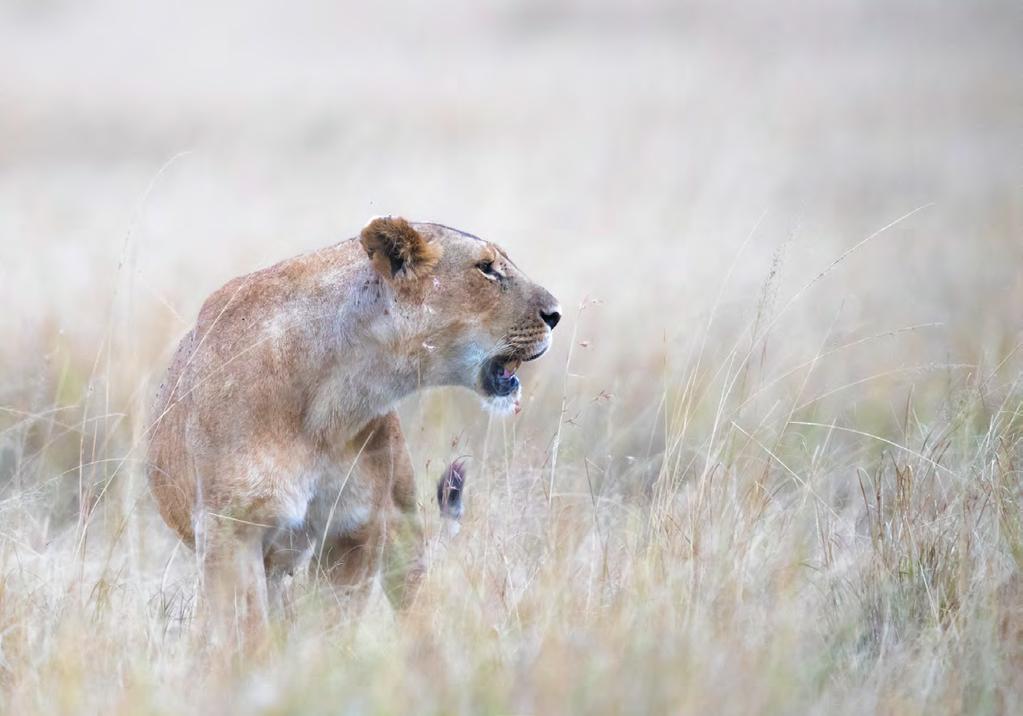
(499, 379)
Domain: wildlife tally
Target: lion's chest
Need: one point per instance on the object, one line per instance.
(332, 501)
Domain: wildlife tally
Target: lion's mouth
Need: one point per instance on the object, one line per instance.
(499, 379)
(498, 374)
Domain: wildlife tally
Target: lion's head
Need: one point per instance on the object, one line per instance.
(468, 312)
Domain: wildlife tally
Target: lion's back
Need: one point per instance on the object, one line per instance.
(193, 381)
(167, 470)
(235, 375)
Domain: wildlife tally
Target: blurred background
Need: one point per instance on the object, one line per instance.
(753, 213)
(691, 166)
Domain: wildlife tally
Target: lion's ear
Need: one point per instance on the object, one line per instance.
(397, 250)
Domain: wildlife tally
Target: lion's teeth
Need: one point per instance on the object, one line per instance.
(510, 368)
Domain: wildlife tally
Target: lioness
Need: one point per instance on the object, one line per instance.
(275, 440)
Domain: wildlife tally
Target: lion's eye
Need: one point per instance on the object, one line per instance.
(487, 269)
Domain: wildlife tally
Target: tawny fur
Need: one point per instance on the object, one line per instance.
(275, 441)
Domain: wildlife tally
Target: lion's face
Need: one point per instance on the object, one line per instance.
(478, 315)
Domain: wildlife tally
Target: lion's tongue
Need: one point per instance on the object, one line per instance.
(510, 368)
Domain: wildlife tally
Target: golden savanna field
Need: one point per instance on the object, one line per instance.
(774, 462)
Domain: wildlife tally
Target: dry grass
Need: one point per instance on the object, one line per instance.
(774, 464)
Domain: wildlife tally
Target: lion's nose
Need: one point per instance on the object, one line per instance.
(551, 318)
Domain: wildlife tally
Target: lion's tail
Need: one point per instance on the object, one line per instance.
(449, 490)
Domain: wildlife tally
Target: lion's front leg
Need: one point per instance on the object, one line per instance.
(404, 545)
(234, 583)
(404, 562)
(350, 564)
(370, 525)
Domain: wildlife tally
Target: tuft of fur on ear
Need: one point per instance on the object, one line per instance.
(397, 250)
